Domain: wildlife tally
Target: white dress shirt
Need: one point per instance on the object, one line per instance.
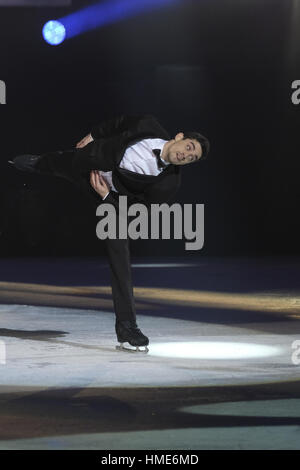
(139, 158)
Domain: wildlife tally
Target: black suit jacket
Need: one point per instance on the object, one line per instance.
(111, 139)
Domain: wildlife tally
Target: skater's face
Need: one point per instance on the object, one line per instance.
(181, 151)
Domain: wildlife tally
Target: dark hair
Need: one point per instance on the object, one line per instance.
(203, 141)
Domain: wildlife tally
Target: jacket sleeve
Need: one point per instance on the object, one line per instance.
(113, 198)
(115, 126)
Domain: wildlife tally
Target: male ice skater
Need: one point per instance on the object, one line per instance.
(132, 156)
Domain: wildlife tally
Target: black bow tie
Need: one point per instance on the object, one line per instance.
(160, 163)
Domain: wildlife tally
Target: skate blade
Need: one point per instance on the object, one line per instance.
(133, 349)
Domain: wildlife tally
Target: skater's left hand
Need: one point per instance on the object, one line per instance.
(99, 183)
(86, 140)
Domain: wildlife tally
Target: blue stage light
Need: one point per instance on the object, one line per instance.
(54, 32)
(109, 11)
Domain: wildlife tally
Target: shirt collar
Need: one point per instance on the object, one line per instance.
(159, 144)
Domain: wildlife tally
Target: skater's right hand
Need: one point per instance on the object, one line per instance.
(86, 140)
(99, 183)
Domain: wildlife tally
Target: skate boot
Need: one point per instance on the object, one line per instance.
(26, 163)
(128, 332)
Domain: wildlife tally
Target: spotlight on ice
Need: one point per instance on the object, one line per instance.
(213, 350)
(54, 32)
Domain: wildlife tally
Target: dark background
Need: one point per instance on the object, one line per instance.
(223, 68)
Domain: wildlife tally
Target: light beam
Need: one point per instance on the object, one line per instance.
(107, 12)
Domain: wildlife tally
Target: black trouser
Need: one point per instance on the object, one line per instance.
(61, 164)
